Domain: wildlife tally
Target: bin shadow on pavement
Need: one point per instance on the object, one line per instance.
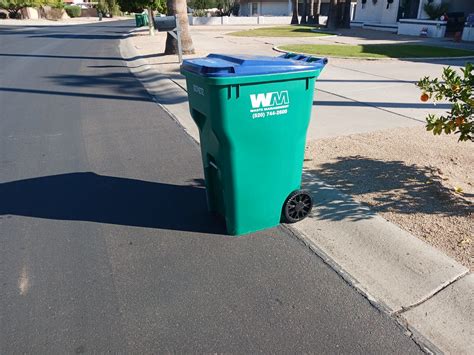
(86, 196)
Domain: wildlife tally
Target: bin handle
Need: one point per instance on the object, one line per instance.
(213, 165)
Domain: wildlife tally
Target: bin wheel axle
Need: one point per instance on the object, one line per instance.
(297, 206)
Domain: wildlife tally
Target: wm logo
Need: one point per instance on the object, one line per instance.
(270, 99)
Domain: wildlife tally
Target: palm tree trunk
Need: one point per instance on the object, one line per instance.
(317, 11)
(179, 8)
(332, 16)
(294, 18)
(151, 26)
(304, 13)
(346, 18)
(311, 12)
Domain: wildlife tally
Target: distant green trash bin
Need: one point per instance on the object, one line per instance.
(253, 113)
(141, 20)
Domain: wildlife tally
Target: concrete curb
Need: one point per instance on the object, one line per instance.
(395, 271)
(278, 49)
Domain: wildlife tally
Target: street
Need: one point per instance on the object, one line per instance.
(106, 244)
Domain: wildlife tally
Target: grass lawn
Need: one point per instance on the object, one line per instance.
(281, 31)
(377, 50)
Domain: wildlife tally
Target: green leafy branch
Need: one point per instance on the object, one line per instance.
(458, 90)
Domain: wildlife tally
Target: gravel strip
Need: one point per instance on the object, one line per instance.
(421, 182)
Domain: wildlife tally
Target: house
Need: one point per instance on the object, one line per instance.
(81, 3)
(275, 7)
(408, 16)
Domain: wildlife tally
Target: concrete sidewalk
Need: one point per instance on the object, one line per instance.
(379, 94)
(423, 289)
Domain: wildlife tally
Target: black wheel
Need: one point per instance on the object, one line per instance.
(297, 206)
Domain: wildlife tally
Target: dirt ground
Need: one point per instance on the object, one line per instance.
(421, 182)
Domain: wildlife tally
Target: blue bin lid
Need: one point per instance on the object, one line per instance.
(219, 65)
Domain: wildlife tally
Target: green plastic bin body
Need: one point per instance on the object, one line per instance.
(252, 133)
(141, 20)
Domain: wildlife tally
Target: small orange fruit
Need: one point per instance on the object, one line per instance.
(424, 97)
(455, 88)
(459, 121)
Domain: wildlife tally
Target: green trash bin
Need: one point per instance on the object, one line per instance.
(253, 113)
(141, 20)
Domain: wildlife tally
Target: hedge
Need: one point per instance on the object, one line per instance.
(73, 11)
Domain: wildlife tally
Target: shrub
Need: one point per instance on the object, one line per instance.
(433, 11)
(202, 4)
(14, 6)
(73, 11)
(227, 7)
(459, 91)
(56, 4)
(110, 7)
(199, 13)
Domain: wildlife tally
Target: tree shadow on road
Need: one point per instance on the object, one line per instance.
(119, 82)
(87, 196)
(332, 204)
(67, 57)
(122, 84)
(81, 36)
(390, 186)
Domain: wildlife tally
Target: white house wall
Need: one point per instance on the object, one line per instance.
(244, 9)
(377, 13)
(274, 8)
(389, 15)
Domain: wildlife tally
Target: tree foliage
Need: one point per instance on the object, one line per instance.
(73, 11)
(202, 4)
(459, 91)
(14, 6)
(108, 7)
(226, 7)
(434, 11)
(140, 5)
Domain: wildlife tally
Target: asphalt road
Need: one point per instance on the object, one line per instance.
(105, 241)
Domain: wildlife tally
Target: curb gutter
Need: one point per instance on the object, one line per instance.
(420, 287)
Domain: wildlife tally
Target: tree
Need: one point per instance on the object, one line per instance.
(140, 5)
(457, 89)
(202, 4)
(346, 17)
(434, 11)
(294, 18)
(317, 11)
(311, 12)
(14, 6)
(304, 13)
(179, 8)
(110, 7)
(332, 16)
(226, 7)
